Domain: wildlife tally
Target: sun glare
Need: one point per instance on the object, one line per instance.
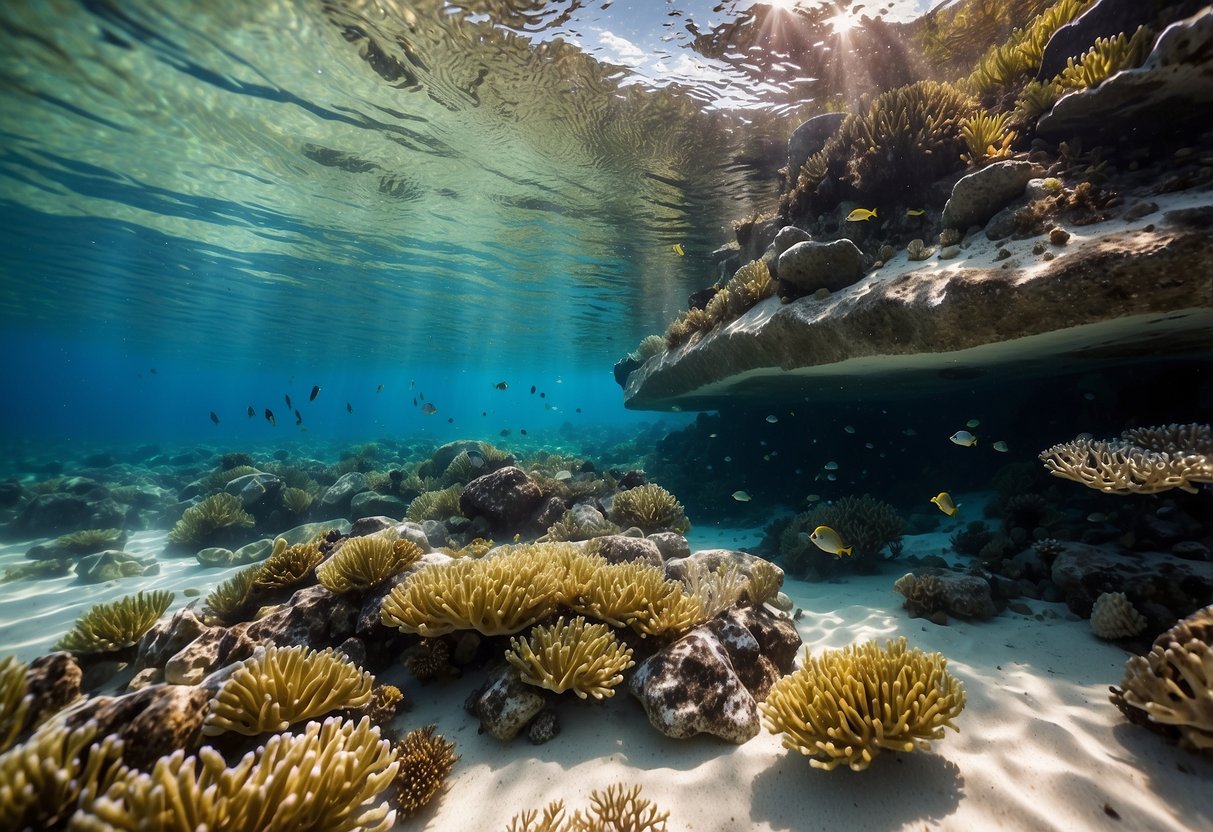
(843, 22)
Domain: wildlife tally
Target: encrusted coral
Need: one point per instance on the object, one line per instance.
(426, 759)
(918, 250)
(434, 505)
(584, 658)
(327, 777)
(118, 624)
(42, 779)
(231, 601)
(923, 594)
(571, 526)
(431, 659)
(650, 507)
(1113, 616)
(619, 809)
(288, 566)
(365, 562)
(847, 705)
(986, 136)
(1171, 689)
(1107, 57)
(14, 700)
(764, 582)
(749, 284)
(499, 595)
(277, 687)
(202, 523)
(1126, 467)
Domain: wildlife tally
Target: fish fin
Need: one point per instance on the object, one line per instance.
(848, 551)
(873, 212)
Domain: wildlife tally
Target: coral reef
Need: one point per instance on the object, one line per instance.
(986, 136)
(764, 582)
(924, 594)
(1004, 64)
(289, 566)
(15, 700)
(278, 687)
(230, 602)
(385, 701)
(340, 766)
(431, 660)
(584, 658)
(297, 501)
(210, 520)
(1171, 689)
(866, 524)
(649, 346)
(1142, 461)
(651, 508)
(87, 541)
(637, 595)
(573, 526)
(848, 705)
(118, 624)
(1107, 57)
(1113, 616)
(365, 562)
(717, 589)
(426, 759)
(616, 810)
(435, 505)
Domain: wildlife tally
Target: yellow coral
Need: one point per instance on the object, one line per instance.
(14, 700)
(1125, 467)
(288, 566)
(584, 658)
(278, 687)
(327, 777)
(42, 779)
(1107, 57)
(849, 704)
(216, 513)
(426, 758)
(636, 595)
(297, 501)
(230, 601)
(365, 562)
(615, 810)
(118, 624)
(986, 136)
(650, 507)
(764, 582)
(434, 505)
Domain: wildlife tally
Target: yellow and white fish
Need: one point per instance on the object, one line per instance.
(830, 541)
(914, 212)
(861, 214)
(963, 438)
(678, 249)
(944, 501)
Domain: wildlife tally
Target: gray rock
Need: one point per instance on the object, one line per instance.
(670, 544)
(618, 548)
(255, 488)
(52, 681)
(364, 526)
(714, 560)
(408, 530)
(789, 236)
(1001, 225)
(152, 722)
(983, 193)
(811, 266)
(111, 565)
(967, 596)
(1105, 19)
(168, 637)
(336, 500)
(505, 497)
(249, 553)
(216, 556)
(809, 138)
(505, 704)
(1173, 87)
(307, 531)
(370, 503)
(435, 533)
(62, 512)
(1083, 573)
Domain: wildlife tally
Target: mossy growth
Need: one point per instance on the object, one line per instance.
(232, 601)
(278, 687)
(1036, 99)
(616, 809)
(584, 658)
(341, 767)
(297, 501)
(1107, 57)
(435, 505)
(88, 541)
(649, 347)
(848, 705)
(116, 625)
(213, 519)
(15, 700)
(651, 508)
(426, 759)
(986, 136)
(363, 563)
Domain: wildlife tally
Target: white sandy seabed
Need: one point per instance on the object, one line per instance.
(1040, 746)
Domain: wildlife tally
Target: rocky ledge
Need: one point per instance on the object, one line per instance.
(1094, 296)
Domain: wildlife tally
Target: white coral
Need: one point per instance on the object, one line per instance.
(1114, 616)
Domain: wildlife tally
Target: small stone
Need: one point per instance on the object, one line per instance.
(1039, 248)
(1059, 236)
(543, 728)
(1002, 254)
(789, 236)
(505, 704)
(1141, 209)
(980, 195)
(1048, 255)
(1020, 607)
(948, 252)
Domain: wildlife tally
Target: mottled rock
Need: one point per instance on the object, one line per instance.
(505, 497)
(336, 500)
(54, 682)
(168, 637)
(983, 193)
(505, 704)
(715, 559)
(112, 565)
(308, 531)
(543, 728)
(152, 722)
(254, 489)
(371, 503)
(549, 512)
(778, 639)
(192, 663)
(618, 548)
(789, 236)
(1179, 586)
(371, 524)
(811, 266)
(670, 544)
(967, 596)
(808, 138)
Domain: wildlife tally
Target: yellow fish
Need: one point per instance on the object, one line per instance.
(944, 500)
(914, 212)
(828, 540)
(963, 438)
(678, 249)
(861, 214)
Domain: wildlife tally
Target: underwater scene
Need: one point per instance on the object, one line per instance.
(606, 415)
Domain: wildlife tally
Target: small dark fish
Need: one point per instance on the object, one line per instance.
(579, 410)
(484, 413)
(287, 396)
(251, 412)
(1110, 812)
(501, 385)
(269, 417)
(450, 420)
(412, 382)
(532, 389)
(414, 401)
(506, 431)
(523, 431)
(315, 393)
(298, 418)
(349, 408)
(543, 395)
(214, 418)
(152, 370)
(421, 395)
(379, 389)
(428, 409)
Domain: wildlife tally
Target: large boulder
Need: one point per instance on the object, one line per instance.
(336, 500)
(152, 722)
(256, 489)
(506, 498)
(983, 193)
(1104, 19)
(810, 266)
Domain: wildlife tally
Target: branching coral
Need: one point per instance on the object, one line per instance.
(1114, 616)
(1107, 57)
(289, 566)
(118, 624)
(426, 759)
(88, 541)
(435, 505)
(636, 595)
(42, 779)
(764, 582)
(499, 595)
(986, 136)
(297, 501)
(1125, 467)
(365, 562)
(1171, 689)
(229, 602)
(326, 777)
(846, 706)
(201, 523)
(278, 687)
(1036, 99)
(572, 526)
(717, 589)
(15, 700)
(619, 809)
(650, 507)
(584, 658)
